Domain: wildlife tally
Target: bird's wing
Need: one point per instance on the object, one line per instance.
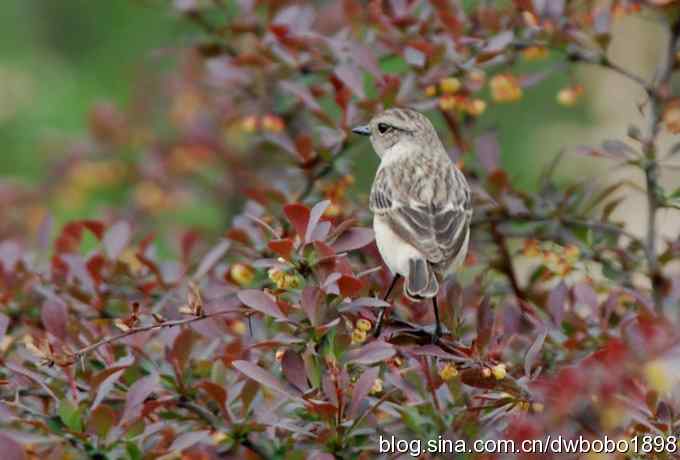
(430, 209)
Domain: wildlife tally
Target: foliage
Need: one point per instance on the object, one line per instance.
(131, 343)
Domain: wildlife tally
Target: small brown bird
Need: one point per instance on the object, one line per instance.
(421, 204)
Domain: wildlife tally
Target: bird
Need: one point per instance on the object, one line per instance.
(421, 205)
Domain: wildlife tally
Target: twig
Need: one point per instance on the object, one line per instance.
(323, 172)
(506, 263)
(150, 327)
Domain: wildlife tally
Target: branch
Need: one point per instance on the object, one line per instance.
(651, 169)
(150, 327)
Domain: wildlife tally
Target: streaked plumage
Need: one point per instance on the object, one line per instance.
(420, 200)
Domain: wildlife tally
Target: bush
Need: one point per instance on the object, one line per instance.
(142, 334)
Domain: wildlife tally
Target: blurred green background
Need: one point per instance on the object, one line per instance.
(59, 57)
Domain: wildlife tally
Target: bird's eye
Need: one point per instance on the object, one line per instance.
(383, 128)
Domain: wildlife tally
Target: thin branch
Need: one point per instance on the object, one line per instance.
(323, 172)
(506, 263)
(150, 327)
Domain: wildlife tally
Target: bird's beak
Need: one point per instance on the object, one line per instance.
(364, 130)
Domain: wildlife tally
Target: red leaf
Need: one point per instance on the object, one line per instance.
(354, 238)
(485, 320)
(54, 317)
(94, 267)
(260, 301)
(293, 368)
(116, 239)
(11, 450)
(282, 247)
(298, 215)
(94, 226)
(350, 285)
(216, 392)
(266, 378)
(70, 238)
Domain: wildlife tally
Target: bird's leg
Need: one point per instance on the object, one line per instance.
(438, 325)
(381, 314)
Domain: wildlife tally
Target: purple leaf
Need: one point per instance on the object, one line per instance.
(556, 300)
(116, 239)
(54, 316)
(314, 216)
(106, 386)
(266, 378)
(361, 389)
(532, 353)
(353, 238)
(186, 440)
(294, 369)
(365, 57)
(11, 450)
(211, 258)
(414, 56)
(499, 42)
(617, 148)
(310, 304)
(372, 353)
(488, 150)
(303, 94)
(363, 302)
(136, 396)
(4, 323)
(351, 77)
(262, 302)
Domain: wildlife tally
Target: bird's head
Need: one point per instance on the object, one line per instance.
(398, 126)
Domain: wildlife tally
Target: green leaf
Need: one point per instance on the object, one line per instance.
(133, 451)
(70, 415)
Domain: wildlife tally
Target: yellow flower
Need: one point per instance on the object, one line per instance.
(671, 118)
(499, 371)
(363, 324)
(475, 107)
(448, 372)
(534, 53)
(358, 336)
(150, 196)
(537, 407)
(243, 274)
(657, 376)
(277, 276)
(431, 90)
(377, 387)
(249, 124)
(447, 102)
(505, 88)
(531, 248)
(272, 123)
(238, 327)
(449, 85)
(569, 96)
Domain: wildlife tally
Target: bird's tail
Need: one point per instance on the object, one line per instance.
(421, 281)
